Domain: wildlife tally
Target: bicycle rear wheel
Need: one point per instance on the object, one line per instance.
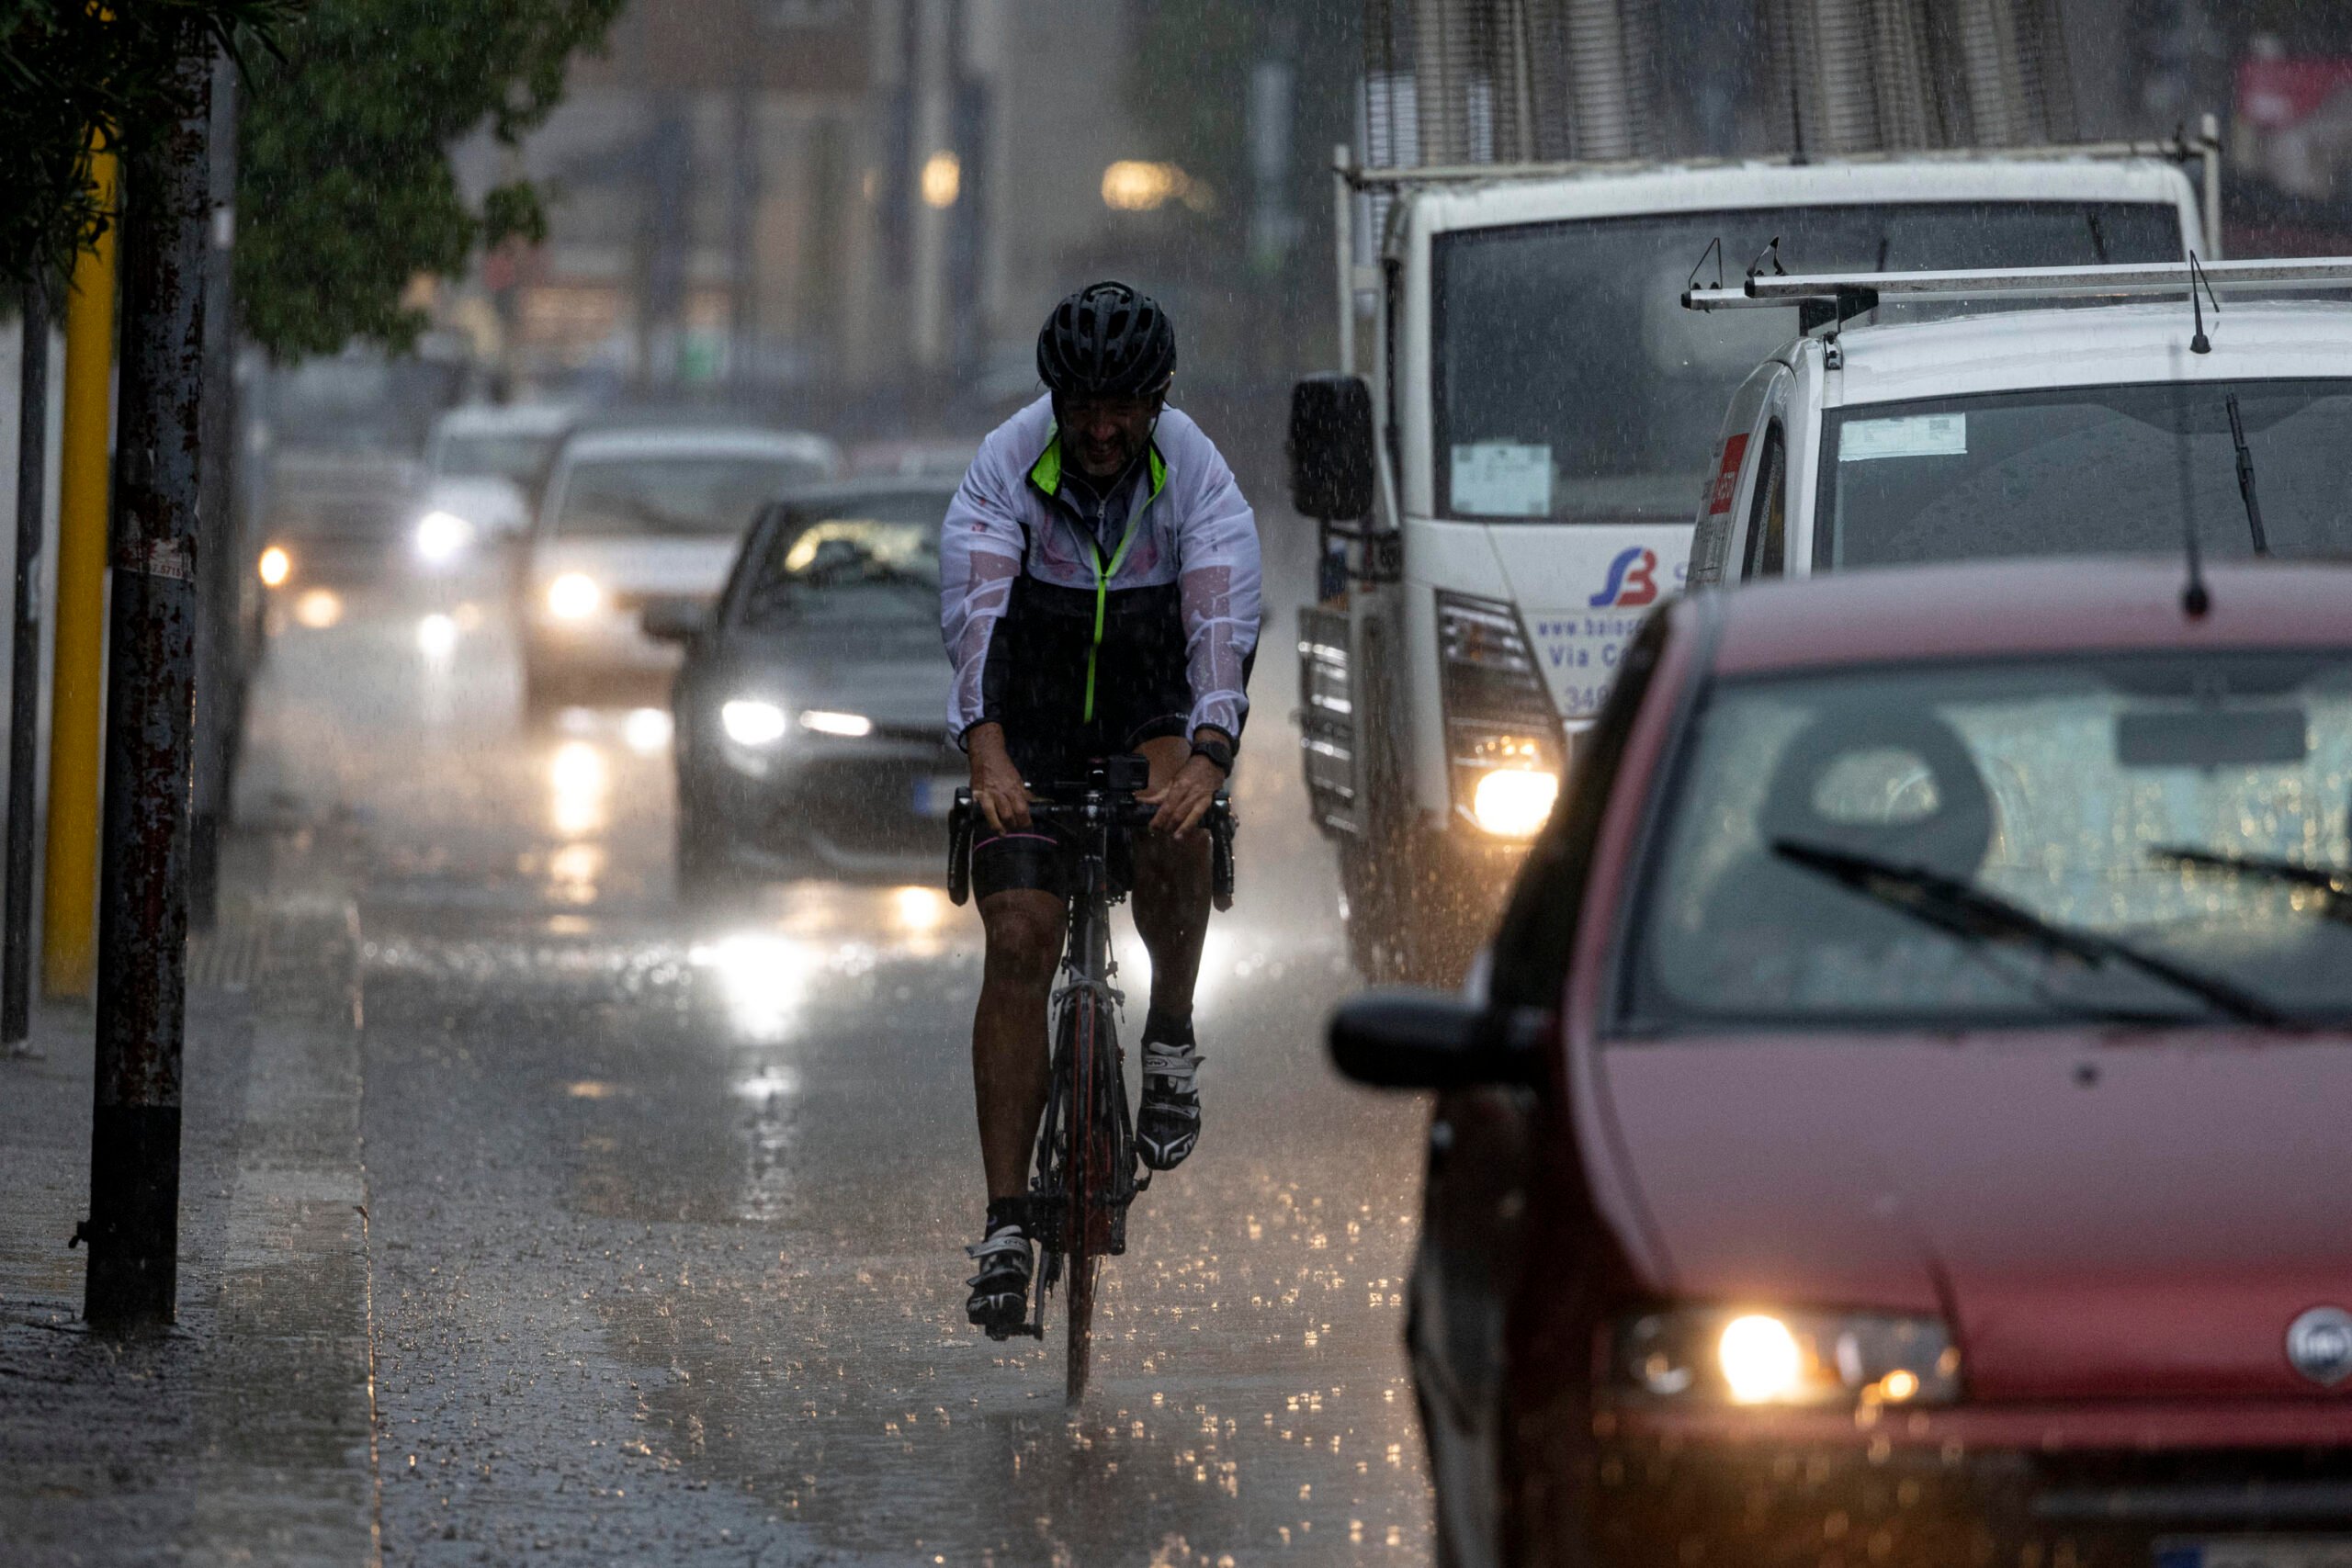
(1091, 1174)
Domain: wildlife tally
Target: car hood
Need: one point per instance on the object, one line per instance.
(2139, 1217)
(688, 567)
(896, 676)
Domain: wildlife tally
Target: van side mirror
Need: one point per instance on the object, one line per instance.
(1330, 447)
(1416, 1039)
(674, 618)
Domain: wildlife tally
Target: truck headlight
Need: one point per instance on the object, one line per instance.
(1514, 803)
(574, 596)
(1502, 734)
(751, 722)
(1787, 1357)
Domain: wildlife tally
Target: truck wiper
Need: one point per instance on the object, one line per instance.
(1967, 911)
(2245, 478)
(2336, 896)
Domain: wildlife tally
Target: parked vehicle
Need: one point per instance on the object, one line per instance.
(809, 716)
(633, 515)
(1504, 488)
(1902, 1111)
(2102, 428)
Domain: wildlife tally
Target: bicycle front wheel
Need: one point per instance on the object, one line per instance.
(1092, 1173)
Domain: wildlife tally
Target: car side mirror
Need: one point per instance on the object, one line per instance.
(1330, 447)
(675, 619)
(1416, 1039)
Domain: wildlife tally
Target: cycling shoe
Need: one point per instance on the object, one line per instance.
(1169, 1122)
(1000, 1300)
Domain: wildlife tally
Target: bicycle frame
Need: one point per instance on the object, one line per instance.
(1086, 1170)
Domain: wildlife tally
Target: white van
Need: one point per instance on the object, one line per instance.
(2100, 429)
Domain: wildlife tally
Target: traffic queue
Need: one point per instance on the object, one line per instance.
(1894, 1119)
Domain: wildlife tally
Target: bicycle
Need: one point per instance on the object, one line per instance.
(1087, 1172)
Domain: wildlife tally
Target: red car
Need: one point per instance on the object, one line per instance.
(1907, 1118)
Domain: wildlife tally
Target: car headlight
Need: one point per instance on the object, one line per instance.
(1502, 734)
(276, 566)
(850, 726)
(751, 722)
(441, 536)
(1785, 1359)
(574, 596)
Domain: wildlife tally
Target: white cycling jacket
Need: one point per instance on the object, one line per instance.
(1191, 529)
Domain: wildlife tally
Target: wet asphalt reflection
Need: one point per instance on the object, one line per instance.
(667, 1213)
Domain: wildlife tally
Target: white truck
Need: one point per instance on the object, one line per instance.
(1502, 477)
(2110, 426)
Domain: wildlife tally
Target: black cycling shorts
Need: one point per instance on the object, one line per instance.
(1040, 857)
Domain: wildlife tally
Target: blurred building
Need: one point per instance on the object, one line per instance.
(867, 201)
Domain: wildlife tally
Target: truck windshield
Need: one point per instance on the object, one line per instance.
(2148, 837)
(1571, 386)
(2087, 470)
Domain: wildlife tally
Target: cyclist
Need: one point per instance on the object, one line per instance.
(1099, 585)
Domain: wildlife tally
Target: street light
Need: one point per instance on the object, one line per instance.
(942, 179)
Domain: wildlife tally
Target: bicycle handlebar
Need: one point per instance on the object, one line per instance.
(1124, 810)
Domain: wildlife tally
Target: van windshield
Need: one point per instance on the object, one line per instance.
(620, 497)
(1571, 386)
(2087, 470)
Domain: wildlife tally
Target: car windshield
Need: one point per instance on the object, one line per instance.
(705, 496)
(869, 559)
(2145, 838)
(2087, 470)
(508, 456)
(1571, 385)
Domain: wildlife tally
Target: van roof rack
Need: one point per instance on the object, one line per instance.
(1833, 298)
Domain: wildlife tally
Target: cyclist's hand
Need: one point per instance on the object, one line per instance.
(1185, 798)
(997, 788)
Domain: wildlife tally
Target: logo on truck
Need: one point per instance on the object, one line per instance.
(1632, 580)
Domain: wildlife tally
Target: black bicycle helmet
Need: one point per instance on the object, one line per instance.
(1106, 341)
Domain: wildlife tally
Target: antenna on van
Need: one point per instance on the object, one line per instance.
(2195, 600)
(2199, 342)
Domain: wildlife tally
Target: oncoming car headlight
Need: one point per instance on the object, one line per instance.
(751, 722)
(574, 596)
(277, 565)
(441, 536)
(1786, 1359)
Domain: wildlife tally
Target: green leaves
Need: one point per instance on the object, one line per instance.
(345, 191)
(68, 67)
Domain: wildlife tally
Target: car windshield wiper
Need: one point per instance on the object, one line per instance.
(2336, 896)
(1973, 915)
(2245, 478)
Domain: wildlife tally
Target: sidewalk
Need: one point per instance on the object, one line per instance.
(244, 1433)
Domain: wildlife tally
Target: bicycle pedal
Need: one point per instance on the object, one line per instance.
(1018, 1331)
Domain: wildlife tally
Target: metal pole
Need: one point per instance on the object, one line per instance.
(151, 686)
(23, 662)
(220, 701)
(1343, 242)
(69, 877)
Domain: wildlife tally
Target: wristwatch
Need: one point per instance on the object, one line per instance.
(1217, 752)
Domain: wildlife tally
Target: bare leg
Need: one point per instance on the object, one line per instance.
(1009, 1067)
(1172, 895)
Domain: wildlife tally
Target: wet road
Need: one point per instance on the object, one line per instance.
(667, 1216)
